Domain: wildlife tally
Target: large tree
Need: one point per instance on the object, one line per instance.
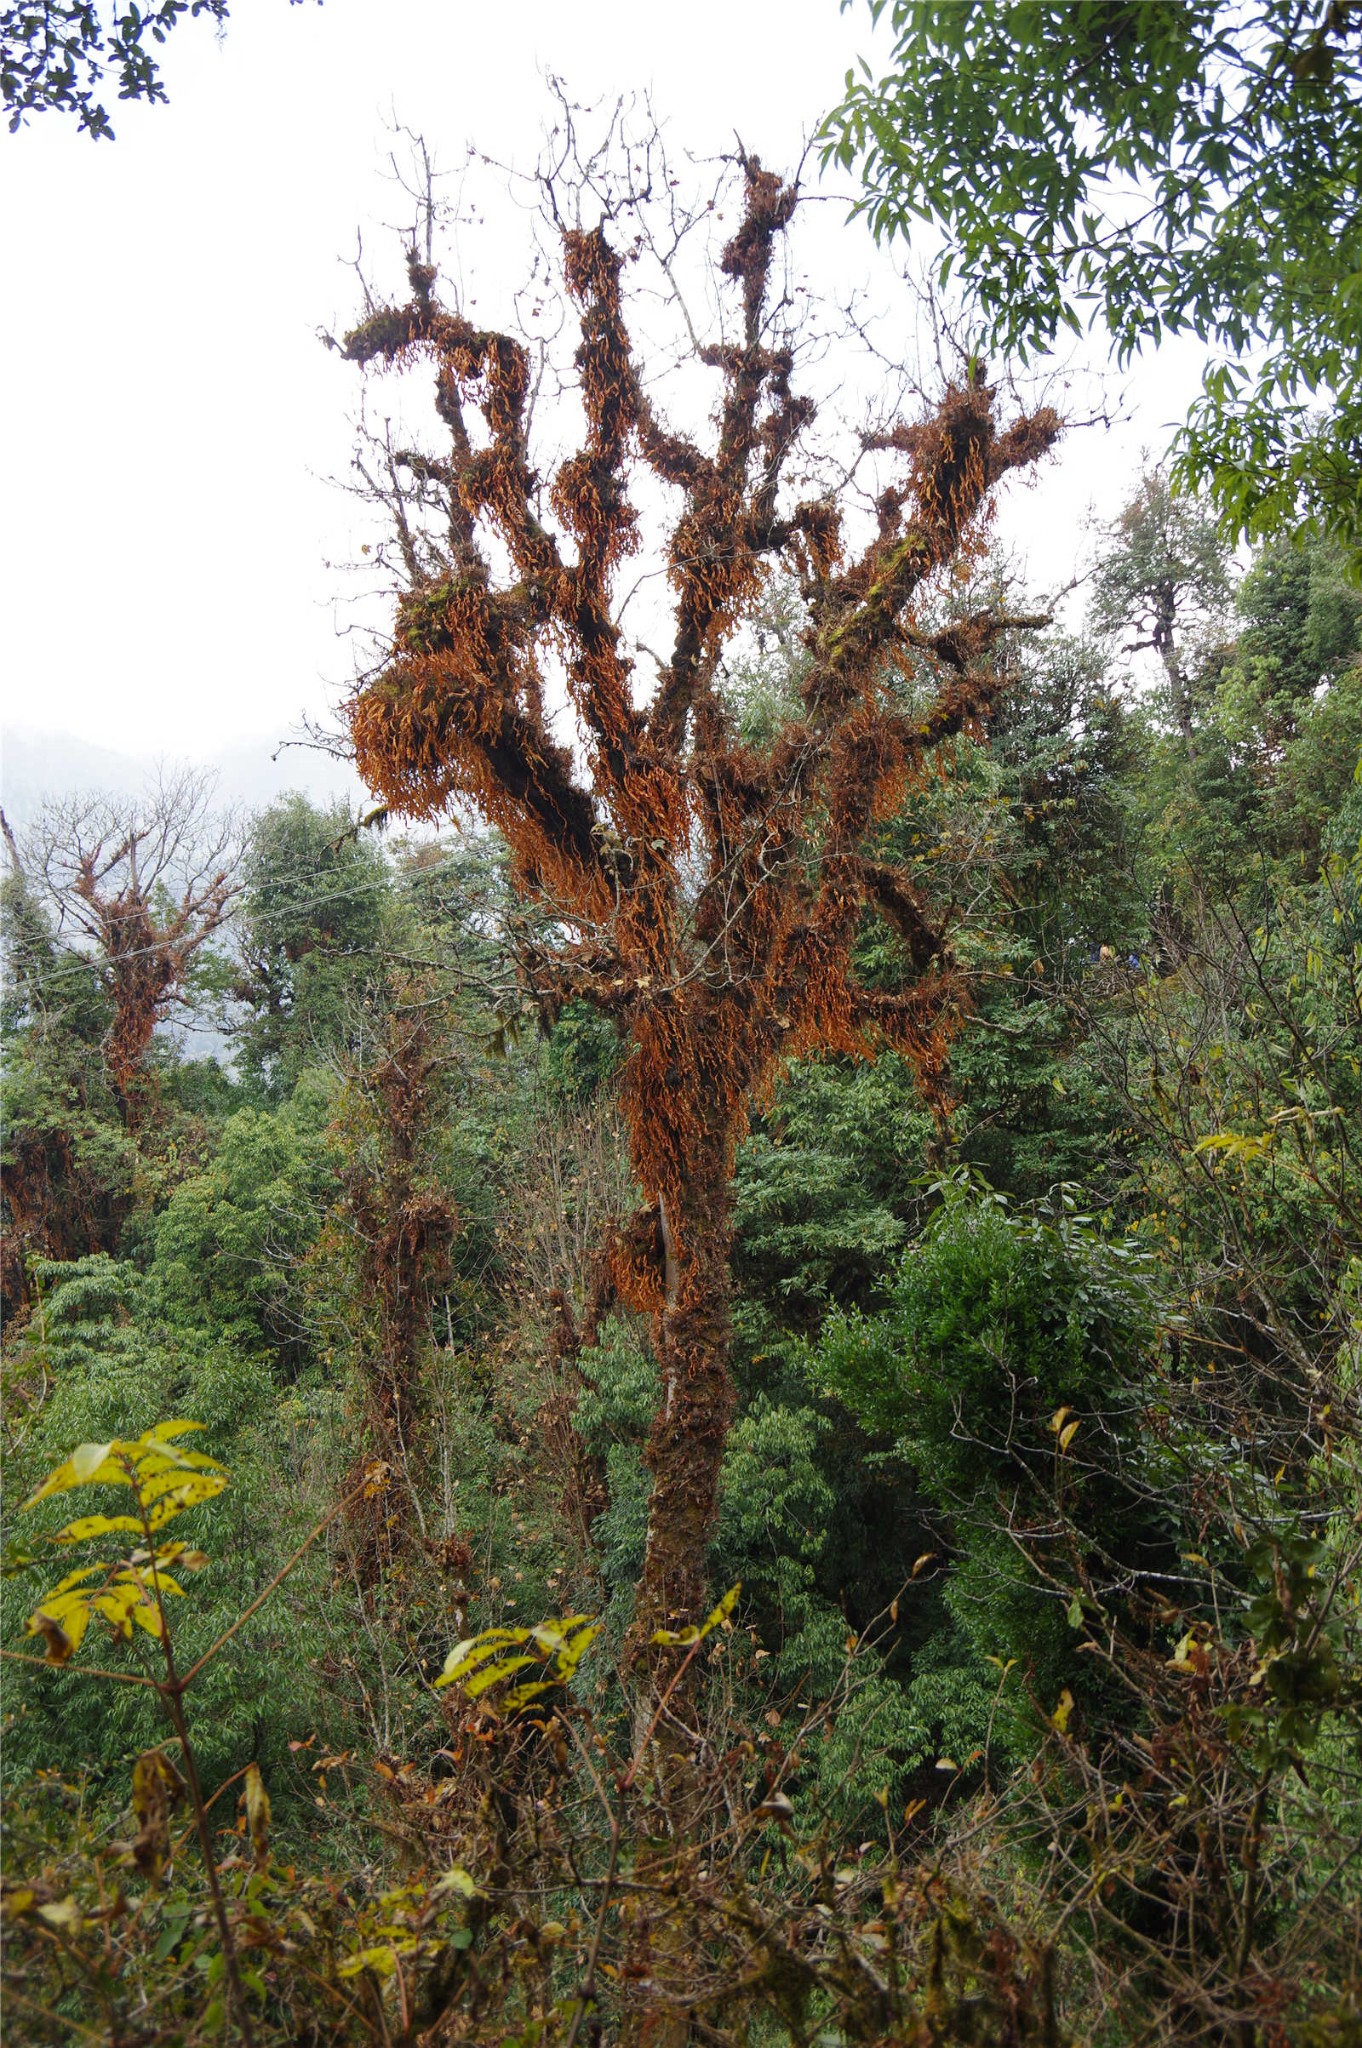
(1159, 166)
(1164, 578)
(704, 893)
(142, 884)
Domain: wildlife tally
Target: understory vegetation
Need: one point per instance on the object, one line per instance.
(981, 1662)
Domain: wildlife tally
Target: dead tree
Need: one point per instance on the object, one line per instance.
(142, 883)
(707, 893)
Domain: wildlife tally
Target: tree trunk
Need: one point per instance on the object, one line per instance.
(1166, 646)
(691, 1332)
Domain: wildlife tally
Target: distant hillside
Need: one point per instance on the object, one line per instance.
(35, 763)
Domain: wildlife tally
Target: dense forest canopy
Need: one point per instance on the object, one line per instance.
(744, 1297)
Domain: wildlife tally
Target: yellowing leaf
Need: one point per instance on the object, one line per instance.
(680, 1637)
(1067, 1434)
(166, 1480)
(490, 1674)
(151, 1464)
(182, 1555)
(1237, 1144)
(64, 1914)
(155, 1783)
(116, 1607)
(65, 1607)
(87, 1460)
(1059, 1720)
(554, 1648)
(456, 1880)
(475, 1650)
(144, 1579)
(87, 1464)
(567, 1640)
(189, 1493)
(382, 1961)
(73, 1579)
(521, 1695)
(97, 1525)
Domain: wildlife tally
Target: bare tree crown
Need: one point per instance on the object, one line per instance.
(459, 712)
(144, 882)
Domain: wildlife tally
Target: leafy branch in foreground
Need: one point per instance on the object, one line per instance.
(129, 1593)
(1164, 168)
(165, 1480)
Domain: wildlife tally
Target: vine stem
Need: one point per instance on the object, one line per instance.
(299, 1554)
(171, 1690)
(170, 1693)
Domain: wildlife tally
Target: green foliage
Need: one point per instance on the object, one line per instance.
(824, 1189)
(1043, 1499)
(1288, 701)
(581, 1055)
(1006, 1370)
(1057, 817)
(1257, 1039)
(998, 1317)
(55, 56)
(69, 1168)
(231, 1240)
(1302, 620)
(1167, 562)
(317, 896)
(614, 1411)
(1163, 583)
(97, 1363)
(1159, 167)
(777, 1510)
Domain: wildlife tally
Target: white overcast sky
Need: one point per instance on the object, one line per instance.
(170, 552)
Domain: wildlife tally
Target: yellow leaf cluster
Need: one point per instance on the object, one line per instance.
(676, 1637)
(128, 1592)
(555, 1647)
